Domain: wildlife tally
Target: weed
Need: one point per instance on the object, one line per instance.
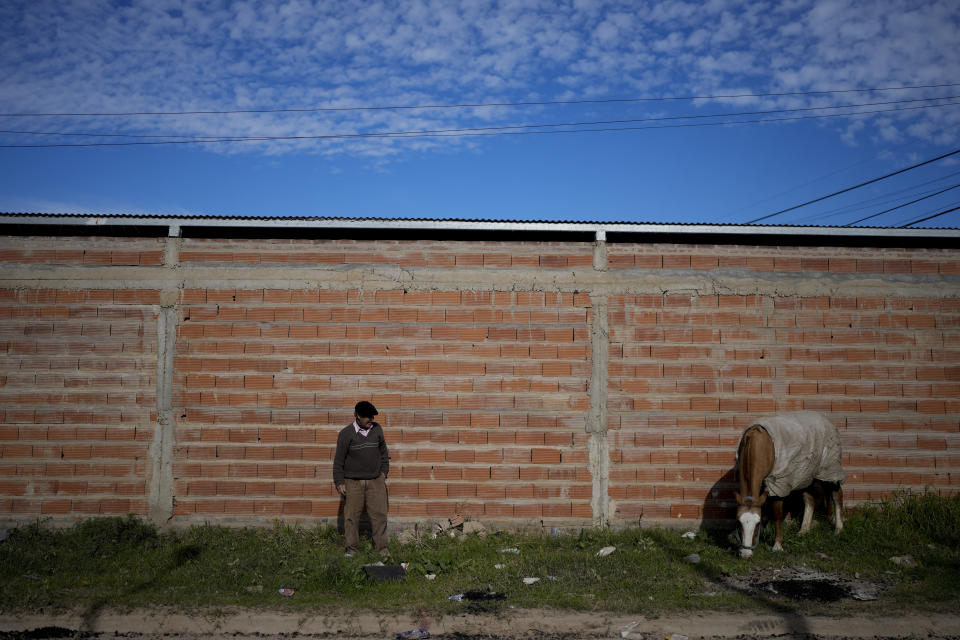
(125, 562)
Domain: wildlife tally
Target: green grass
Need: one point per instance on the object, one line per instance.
(124, 563)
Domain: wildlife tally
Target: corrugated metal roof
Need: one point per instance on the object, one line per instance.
(177, 221)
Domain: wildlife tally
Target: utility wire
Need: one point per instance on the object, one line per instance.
(808, 183)
(936, 215)
(862, 184)
(525, 126)
(890, 196)
(901, 206)
(479, 104)
(463, 133)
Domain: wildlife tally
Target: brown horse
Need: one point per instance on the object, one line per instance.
(781, 454)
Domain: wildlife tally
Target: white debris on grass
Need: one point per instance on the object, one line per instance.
(904, 561)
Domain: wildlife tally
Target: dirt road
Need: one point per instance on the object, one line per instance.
(510, 624)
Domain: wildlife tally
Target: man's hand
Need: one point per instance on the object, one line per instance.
(342, 489)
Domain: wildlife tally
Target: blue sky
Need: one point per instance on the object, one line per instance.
(278, 62)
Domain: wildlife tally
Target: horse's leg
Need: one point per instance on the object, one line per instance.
(808, 504)
(837, 497)
(778, 524)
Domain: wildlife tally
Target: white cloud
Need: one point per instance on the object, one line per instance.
(159, 55)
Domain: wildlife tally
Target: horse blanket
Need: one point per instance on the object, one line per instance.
(806, 447)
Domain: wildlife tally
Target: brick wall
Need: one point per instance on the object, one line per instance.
(562, 383)
(482, 394)
(77, 391)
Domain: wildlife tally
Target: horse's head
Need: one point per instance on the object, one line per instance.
(748, 522)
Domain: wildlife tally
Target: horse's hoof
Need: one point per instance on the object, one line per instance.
(746, 553)
(776, 547)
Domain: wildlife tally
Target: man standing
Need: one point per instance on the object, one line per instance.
(360, 468)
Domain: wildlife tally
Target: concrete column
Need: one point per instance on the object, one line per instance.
(600, 251)
(161, 490)
(161, 449)
(599, 446)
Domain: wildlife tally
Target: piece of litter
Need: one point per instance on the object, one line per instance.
(457, 597)
(693, 558)
(605, 551)
(865, 595)
(689, 534)
(382, 573)
(431, 576)
(257, 588)
(903, 561)
(286, 592)
(627, 629)
(510, 550)
(479, 596)
(413, 634)
(554, 578)
(531, 580)
(405, 565)
(675, 636)
(499, 566)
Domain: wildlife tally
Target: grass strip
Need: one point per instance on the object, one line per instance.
(122, 563)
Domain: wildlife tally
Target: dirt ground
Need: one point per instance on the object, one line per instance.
(154, 624)
(782, 588)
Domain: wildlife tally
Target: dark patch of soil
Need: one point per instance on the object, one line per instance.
(42, 633)
(819, 590)
(802, 584)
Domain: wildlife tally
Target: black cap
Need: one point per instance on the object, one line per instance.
(365, 409)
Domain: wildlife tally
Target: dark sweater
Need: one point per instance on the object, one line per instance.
(360, 458)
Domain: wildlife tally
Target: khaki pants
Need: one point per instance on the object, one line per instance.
(371, 494)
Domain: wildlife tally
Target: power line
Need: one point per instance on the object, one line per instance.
(807, 183)
(936, 215)
(890, 196)
(521, 126)
(862, 184)
(464, 133)
(901, 206)
(479, 104)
